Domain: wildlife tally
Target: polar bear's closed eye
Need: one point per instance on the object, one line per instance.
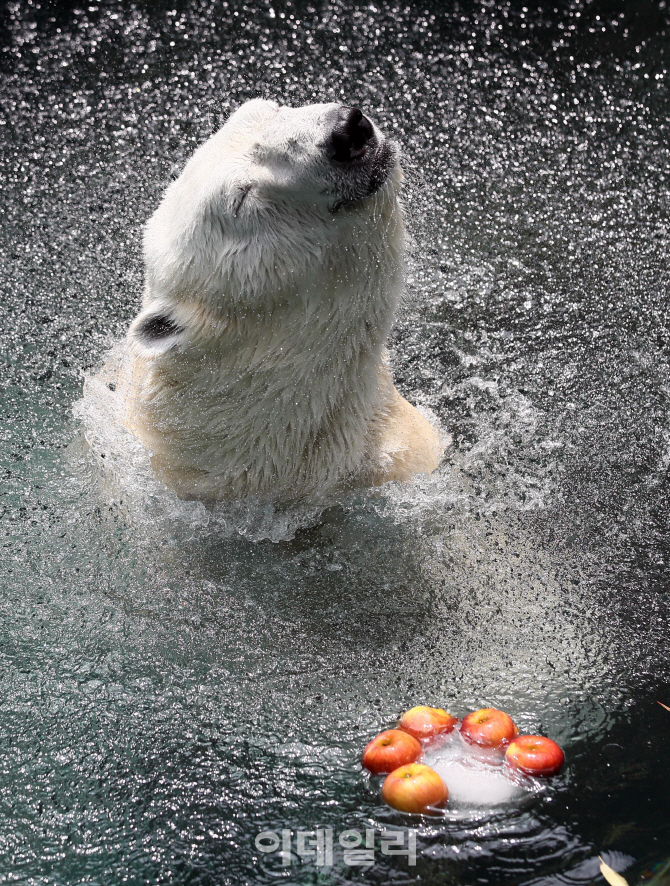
(239, 199)
(273, 267)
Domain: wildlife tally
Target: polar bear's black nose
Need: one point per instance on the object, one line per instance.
(351, 135)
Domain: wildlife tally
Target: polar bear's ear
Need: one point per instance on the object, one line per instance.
(155, 332)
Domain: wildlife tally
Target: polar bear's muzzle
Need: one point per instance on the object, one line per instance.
(358, 150)
(353, 135)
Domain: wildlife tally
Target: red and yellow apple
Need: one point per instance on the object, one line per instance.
(415, 788)
(426, 723)
(488, 728)
(389, 750)
(535, 755)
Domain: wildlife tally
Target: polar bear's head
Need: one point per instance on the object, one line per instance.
(319, 157)
(277, 196)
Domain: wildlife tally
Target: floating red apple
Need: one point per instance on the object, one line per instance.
(488, 728)
(389, 750)
(535, 755)
(426, 723)
(415, 788)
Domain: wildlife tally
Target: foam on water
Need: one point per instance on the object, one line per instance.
(476, 777)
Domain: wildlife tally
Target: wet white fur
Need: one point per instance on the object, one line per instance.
(275, 384)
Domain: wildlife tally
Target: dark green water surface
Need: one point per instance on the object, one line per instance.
(173, 681)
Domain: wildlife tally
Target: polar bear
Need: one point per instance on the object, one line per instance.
(273, 266)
